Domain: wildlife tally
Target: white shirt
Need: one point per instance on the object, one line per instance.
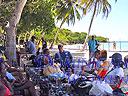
(73, 77)
(110, 78)
(117, 72)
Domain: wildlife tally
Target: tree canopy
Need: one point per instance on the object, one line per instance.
(40, 16)
(37, 14)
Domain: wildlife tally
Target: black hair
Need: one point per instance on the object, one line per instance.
(103, 55)
(38, 51)
(0, 67)
(97, 51)
(83, 67)
(60, 45)
(1, 61)
(45, 50)
(33, 38)
(72, 70)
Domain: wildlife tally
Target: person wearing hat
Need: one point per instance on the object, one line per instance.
(63, 57)
(116, 74)
(93, 46)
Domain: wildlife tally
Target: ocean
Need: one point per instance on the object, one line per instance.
(121, 46)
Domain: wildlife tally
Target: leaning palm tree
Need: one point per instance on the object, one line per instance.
(97, 6)
(65, 11)
(68, 10)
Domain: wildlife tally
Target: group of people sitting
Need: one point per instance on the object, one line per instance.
(12, 80)
(109, 71)
(101, 70)
(41, 56)
(62, 57)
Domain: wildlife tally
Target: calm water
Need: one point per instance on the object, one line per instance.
(119, 46)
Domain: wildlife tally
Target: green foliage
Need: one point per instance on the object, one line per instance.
(6, 9)
(102, 39)
(66, 11)
(2, 36)
(66, 36)
(102, 6)
(37, 15)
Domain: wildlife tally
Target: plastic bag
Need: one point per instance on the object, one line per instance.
(100, 88)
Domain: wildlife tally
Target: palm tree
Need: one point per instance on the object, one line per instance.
(66, 11)
(98, 6)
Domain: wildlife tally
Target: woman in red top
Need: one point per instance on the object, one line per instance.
(4, 91)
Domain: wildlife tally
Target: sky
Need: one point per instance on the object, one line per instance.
(115, 27)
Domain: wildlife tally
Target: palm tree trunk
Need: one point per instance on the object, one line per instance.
(11, 31)
(51, 46)
(0, 1)
(57, 33)
(89, 29)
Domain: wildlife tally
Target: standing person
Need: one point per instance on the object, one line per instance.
(93, 46)
(63, 57)
(41, 46)
(44, 43)
(114, 45)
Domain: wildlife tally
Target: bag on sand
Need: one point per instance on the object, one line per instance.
(51, 69)
(82, 87)
(100, 88)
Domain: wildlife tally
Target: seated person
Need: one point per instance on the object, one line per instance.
(104, 66)
(20, 85)
(115, 75)
(90, 75)
(126, 61)
(71, 75)
(4, 91)
(84, 72)
(97, 60)
(63, 57)
(44, 59)
(11, 70)
(47, 58)
(3, 79)
(95, 63)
